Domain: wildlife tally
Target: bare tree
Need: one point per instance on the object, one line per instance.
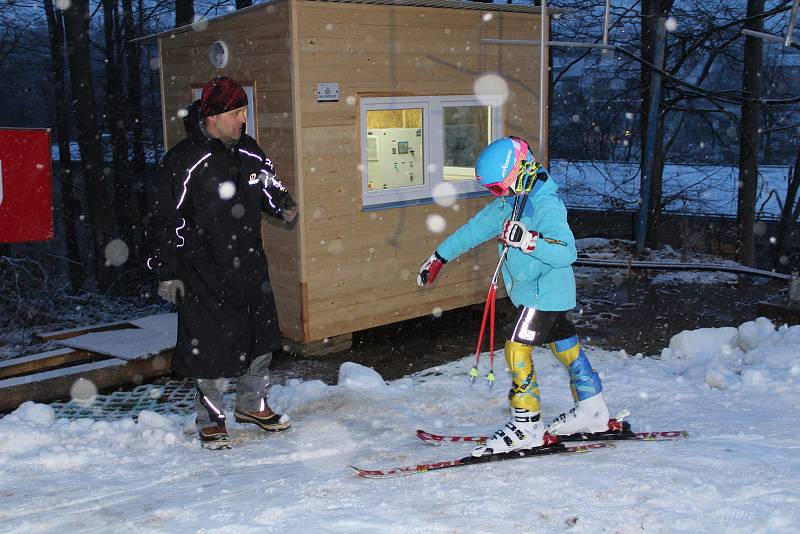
(654, 13)
(12, 30)
(55, 25)
(134, 100)
(700, 99)
(115, 118)
(749, 134)
(184, 12)
(790, 211)
(76, 19)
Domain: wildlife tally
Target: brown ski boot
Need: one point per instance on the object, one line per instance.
(266, 419)
(214, 438)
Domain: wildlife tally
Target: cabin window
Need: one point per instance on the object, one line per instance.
(395, 151)
(467, 130)
(415, 148)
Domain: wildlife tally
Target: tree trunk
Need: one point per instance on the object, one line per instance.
(184, 12)
(749, 135)
(76, 21)
(657, 187)
(788, 217)
(115, 117)
(132, 57)
(65, 176)
(653, 12)
(137, 169)
(243, 3)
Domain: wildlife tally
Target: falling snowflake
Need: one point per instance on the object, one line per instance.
(489, 86)
(83, 391)
(444, 194)
(226, 190)
(116, 252)
(200, 23)
(436, 223)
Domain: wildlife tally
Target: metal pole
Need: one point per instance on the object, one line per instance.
(648, 161)
(792, 22)
(535, 42)
(677, 266)
(605, 22)
(762, 35)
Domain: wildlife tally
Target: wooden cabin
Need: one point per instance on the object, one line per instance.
(373, 113)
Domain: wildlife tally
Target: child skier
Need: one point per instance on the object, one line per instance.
(538, 278)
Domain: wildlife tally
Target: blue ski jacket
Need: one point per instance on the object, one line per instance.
(542, 279)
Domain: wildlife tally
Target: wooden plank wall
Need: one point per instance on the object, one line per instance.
(260, 49)
(359, 268)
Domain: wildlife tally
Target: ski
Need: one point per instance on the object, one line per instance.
(547, 450)
(617, 431)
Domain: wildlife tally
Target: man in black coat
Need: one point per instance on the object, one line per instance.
(213, 187)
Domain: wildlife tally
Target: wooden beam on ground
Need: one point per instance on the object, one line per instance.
(75, 332)
(322, 347)
(47, 361)
(55, 384)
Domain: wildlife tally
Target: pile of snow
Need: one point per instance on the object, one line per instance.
(755, 354)
(31, 436)
(735, 390)
(353, 375)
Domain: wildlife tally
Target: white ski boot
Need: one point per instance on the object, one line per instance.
(524, 431)
(589, 415)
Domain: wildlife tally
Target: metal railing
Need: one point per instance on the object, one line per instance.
(680, 266)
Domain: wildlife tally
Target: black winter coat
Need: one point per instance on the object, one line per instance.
(206, 227)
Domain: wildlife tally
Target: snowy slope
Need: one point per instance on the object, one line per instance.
(734, 389)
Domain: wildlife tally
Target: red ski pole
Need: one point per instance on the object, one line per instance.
(488, 311)
(473, 373)
(490, 376)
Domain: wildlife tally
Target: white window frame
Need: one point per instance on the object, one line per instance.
(433, 148)
(382, 197)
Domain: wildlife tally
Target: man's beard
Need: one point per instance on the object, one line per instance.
(230, 141)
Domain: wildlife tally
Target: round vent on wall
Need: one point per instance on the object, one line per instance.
(218, 54)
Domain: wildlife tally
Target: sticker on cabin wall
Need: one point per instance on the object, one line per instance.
(327, 92)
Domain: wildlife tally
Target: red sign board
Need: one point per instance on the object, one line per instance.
(26, 198)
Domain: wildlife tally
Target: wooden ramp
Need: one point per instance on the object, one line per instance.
(108, 356)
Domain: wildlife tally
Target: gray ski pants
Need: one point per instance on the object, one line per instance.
(251, 393)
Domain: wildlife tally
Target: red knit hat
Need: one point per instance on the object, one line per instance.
(221, 94)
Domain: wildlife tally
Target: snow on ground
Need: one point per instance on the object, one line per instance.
(695, 277)
(734, 389)
(621, 249)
